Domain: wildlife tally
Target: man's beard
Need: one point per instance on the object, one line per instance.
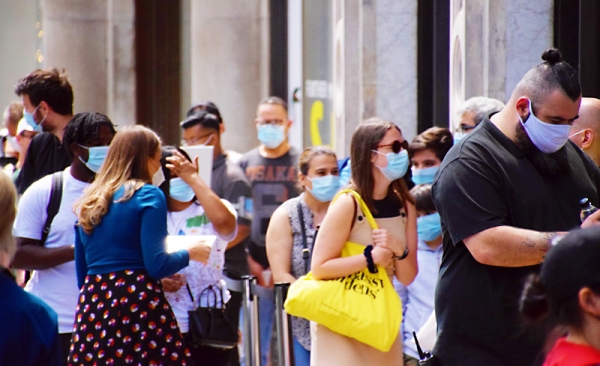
(550, 165)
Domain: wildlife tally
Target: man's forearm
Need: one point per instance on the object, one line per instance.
(34, 257)
(508, 246)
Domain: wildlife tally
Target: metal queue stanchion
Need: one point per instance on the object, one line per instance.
(285, 349)
(251, 332)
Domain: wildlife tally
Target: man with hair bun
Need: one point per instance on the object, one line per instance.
(503, 193)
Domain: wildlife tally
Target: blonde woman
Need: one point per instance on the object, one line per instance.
(29, 333)
(122, 314)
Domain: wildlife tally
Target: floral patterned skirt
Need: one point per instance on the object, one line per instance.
(124, 318)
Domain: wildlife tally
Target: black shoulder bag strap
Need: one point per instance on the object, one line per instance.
(305, 250)
(53, 204)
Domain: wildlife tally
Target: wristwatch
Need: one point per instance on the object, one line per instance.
(401, 257)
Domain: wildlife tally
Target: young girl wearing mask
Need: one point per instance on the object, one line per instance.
(194, 209)
(420, 294)
(565, 296)
(292, 228)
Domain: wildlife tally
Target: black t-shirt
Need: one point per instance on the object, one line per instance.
(486, 181)
(273, 182)
(46, 155)
(229, 182)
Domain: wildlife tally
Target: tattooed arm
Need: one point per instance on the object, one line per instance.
(508, 246)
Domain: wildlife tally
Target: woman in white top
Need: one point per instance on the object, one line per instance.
(194, 209)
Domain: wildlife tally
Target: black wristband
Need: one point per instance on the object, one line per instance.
(404, 255)
(370, 264)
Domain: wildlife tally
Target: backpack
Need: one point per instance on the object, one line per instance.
(53, 204)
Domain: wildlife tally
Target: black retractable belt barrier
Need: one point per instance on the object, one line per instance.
(285, 349)
(251, 333)
(251, 291)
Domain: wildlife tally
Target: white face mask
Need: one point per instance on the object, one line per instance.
(158, 178)
(547, 137)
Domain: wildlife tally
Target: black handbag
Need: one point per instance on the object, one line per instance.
(209, 326)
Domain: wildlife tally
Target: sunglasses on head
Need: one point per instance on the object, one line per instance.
(396, 146)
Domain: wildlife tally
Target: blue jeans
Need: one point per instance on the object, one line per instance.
(266, 313)
(301, 354)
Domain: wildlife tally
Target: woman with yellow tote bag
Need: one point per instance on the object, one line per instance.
(379, 160)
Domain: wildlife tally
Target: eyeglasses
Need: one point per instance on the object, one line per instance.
(194, 141)
(396, 146)
(264, 122)
(465, 128)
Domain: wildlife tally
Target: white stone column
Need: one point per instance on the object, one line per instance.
(502, 40)
(75, 39)
(229, 63)
(397, 64)
(93, 41)
(121, 75)
(347, 72)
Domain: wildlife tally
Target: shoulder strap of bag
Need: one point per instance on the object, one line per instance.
(363, 206)
(305, 249)
(53, 204)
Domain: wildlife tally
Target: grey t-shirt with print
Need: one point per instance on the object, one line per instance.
(273, 182)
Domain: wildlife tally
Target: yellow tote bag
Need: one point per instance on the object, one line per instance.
(363, 305)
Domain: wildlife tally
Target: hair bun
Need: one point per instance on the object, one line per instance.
(552, 56)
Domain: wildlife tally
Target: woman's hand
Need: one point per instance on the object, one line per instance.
(381, 256)
(199, 252)
(179, 165)
(173, 283)
(381, 238)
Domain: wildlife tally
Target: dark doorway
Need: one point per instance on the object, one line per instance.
(576, 35)
(278, 32)
(433, 43)
(158, 54)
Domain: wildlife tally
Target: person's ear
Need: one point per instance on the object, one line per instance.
(76, 150)
(589, 301)
(221, 128)
(44, 108)
(587, 139)
(522, 107)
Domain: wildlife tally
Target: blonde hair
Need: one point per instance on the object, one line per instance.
(8, 207)
(126, 165)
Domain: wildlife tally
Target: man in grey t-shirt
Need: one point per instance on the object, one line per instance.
(204, 126)
(271, 169)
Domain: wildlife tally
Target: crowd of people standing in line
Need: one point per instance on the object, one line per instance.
(471, 229)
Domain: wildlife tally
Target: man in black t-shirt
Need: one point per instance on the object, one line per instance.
(271, 169)
(48, 99)
(503, 194)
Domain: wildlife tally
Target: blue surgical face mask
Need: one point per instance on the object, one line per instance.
(180, 190)
(271, 135)
(30, 121)
(424, 175)
(324, 188)
(458, 136)
(96, 156)
(429, 227)
(397, 165)
(547, 137)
